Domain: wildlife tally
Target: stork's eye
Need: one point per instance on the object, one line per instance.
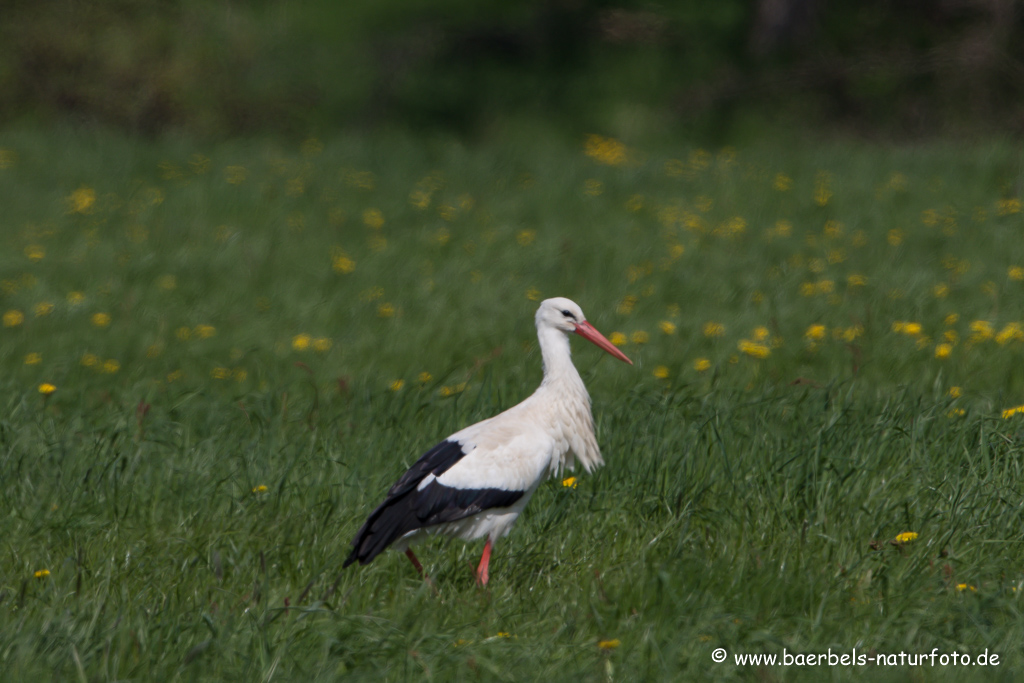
(568, 314)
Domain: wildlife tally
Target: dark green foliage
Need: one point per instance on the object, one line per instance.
(710, 69)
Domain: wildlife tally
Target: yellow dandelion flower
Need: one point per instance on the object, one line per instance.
(782, 183)
(569, 482)
(609, 644)
(43, 308)
(639, 337)
(754, 349)
(956, 392)
(174, 376)
(605, 150)
(526, 237)
(911, 329)
(635, 203)
(41, 573)
(906, 537)
(35, 252)
(661, 372)
(667, 327)
(943, 351)
(816, 332)
(81, 200)
(90, 359)
(1010, 412)
(33, 358)
(856, 281)
(364, 180)
(592, 187)
(101, 319)
(956, 412)
(371, 294)
(1015, 273)
(783, 228)
(111, 366)
(301, 342)
(341, 263)
(1012, 332)
(822, 189)
(981, 330)
(322, 344)
(46, 388)
(895, 237)
(761, 333)
(373, 218)
(239, 374)
(220, 373)
(713, 329)
(452, 390)
(262, 488)
(385, 310)
(424, 377)
(1005, 207)
(965, 587)
(205, 331)
(419, 198)
(533, 294)
(627, 305)
(618, 339)
(76, 298)
(235, 175)
(13, 318)
(397, 385)
(700, 159)
(701, 364)
(154, 350)
(674, 168)
(183, 333)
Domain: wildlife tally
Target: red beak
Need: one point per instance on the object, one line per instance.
(587, 331)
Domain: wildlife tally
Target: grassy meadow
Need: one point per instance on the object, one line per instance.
(215, 360)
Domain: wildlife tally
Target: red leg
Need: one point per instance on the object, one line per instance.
(485, 560)
(415, 562)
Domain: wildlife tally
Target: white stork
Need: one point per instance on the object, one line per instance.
(477, 481)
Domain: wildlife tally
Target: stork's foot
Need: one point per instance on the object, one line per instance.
(485, 560)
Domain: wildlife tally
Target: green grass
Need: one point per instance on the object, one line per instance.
(262, 334)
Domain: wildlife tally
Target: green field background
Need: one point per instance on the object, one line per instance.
(215, 358)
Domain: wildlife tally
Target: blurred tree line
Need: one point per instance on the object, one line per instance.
(216, 68)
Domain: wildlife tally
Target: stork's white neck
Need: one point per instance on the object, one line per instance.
(557, 357)
(564, 404)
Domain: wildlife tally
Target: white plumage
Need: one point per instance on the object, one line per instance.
(475, 483)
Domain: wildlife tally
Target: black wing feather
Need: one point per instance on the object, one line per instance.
(407, 508)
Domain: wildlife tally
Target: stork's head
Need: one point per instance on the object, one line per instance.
(565, 315)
